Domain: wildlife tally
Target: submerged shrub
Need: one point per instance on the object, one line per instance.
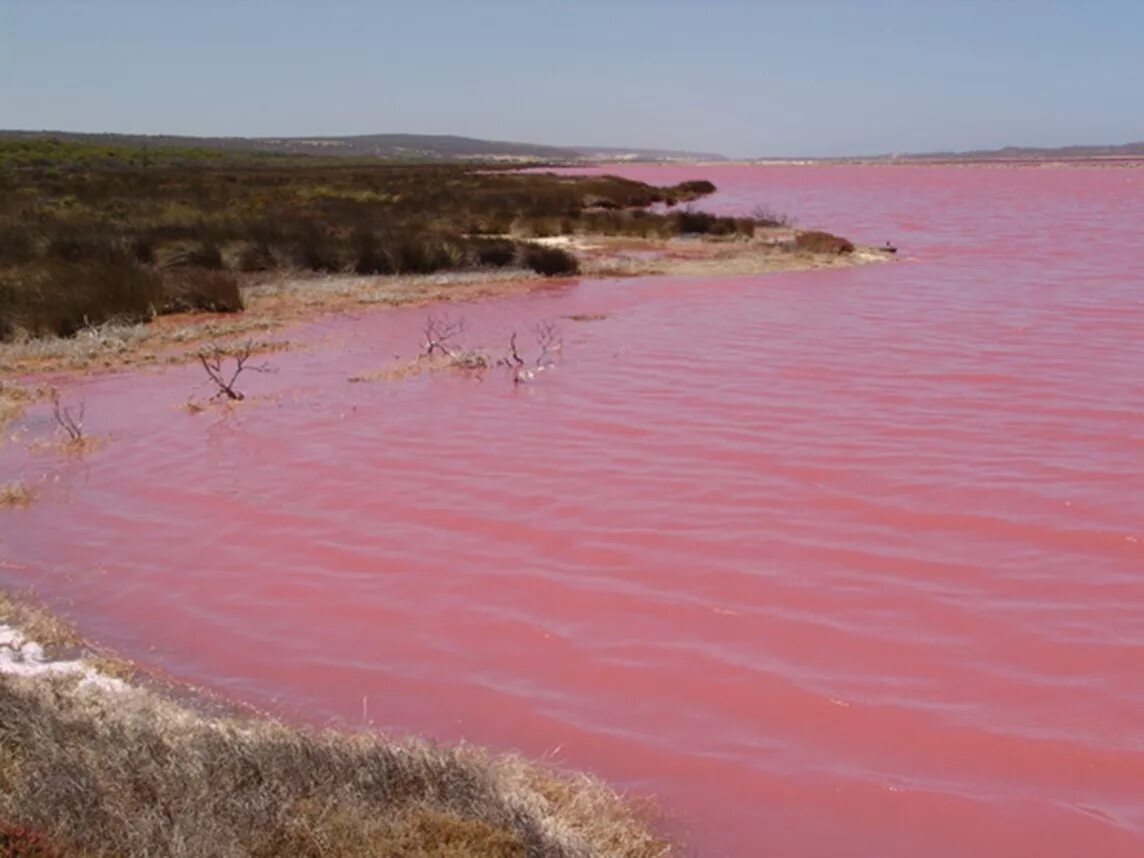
(550, 261)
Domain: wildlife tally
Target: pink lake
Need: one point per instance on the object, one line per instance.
(838, 563)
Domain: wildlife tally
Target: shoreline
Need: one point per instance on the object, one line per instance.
(277, 299)
(147, 780)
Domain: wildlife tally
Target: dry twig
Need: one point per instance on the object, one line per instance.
(71, 423)
(214, 359)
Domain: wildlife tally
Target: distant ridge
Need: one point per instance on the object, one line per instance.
(405, 147)
(1129, 151)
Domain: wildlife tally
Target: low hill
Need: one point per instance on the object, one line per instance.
(1125, 151)
(402, 147)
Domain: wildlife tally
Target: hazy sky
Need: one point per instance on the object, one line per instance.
(814, 77)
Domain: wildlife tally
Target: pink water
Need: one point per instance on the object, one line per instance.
(844, 563)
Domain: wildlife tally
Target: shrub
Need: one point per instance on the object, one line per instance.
(694, 222)
(72, 246)
(765, 216)
(369, 256)
(60, 298)
(496, 254)
(816, 241)
(315, 251)
(204, 254)
(201, 289)
(256, 256)
(695, 188)
(424, 255)
(16, 245)
(550, 261)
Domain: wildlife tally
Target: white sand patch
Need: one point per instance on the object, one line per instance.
(567, 242)
(22, 657)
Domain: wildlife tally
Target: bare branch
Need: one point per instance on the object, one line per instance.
(214, 359)
(439, 331)
(71, 423)
(551, 342)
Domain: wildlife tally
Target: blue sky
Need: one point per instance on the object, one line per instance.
(741, 78)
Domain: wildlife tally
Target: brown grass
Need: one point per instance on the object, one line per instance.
(14, 398)
(587, 317)
(106, 773)
(37, 624)
(16, 494)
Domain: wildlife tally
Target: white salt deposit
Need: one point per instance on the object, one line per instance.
(22, 657)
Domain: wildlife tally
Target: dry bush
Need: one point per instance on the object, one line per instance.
(816, 241)
(126, 773)
(201, 289)
(60, 298)
(768, 217)
(550, 261)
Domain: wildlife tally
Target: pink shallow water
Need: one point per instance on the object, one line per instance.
(842, 563)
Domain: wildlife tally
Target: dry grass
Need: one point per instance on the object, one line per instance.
(16, 494)
(37, 624)
(112, 773)
(14, 398)
(468, 361)
(587, 317)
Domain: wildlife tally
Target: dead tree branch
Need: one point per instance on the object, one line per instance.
(439, 332)
(70, 422)
(214, 359)
(551, 343)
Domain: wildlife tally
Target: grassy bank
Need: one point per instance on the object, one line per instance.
(91, 765)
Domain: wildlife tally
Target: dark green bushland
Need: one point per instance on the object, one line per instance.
(87, 236)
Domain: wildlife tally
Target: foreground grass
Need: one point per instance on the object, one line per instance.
(94, 771)
(91, 765)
